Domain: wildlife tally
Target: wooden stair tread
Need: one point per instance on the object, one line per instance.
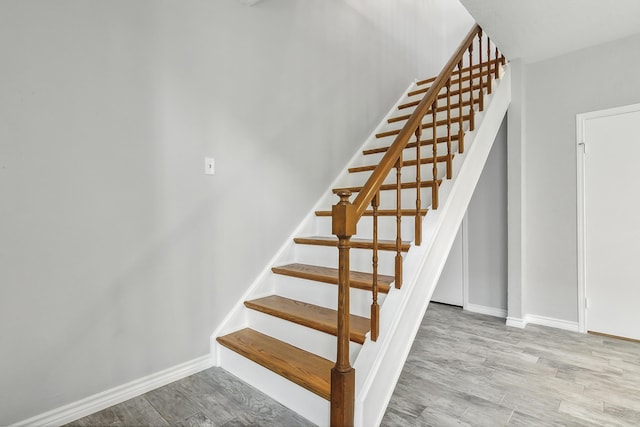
(383, 245)
(381, 212)
(359, 280)
(302, 367)
(387, 187)
(406, 163)
(313, 316)
(423, 142)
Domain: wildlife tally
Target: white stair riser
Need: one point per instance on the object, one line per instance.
(426, 151)
(386, 227)
(291, 395)
(311, 340)
(440, 115)
(441, 131)
(360, 259)
(324, 295)
(409, 154)
(408, 174)
(407, 198)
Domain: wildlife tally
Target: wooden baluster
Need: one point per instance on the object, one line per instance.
(489, 72)
(375, 308)
(449, 155)
(503, 60)
(481, 68)
(399, 223)
(497, 69)
(434, 187)
(460, 118)
(472, 120)
(342, 374)
(418, 219)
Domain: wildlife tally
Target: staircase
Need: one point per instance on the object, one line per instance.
(307, 317)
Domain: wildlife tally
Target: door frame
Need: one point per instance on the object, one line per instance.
(581, 150)
(463, 230)
(465, 260)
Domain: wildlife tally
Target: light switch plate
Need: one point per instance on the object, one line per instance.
(209, 166)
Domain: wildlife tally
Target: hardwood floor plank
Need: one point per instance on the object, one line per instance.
(139, 411)
(172, 404)
(631, 416)
(521, 419)
(530, 402)
(196, 420)
(612, 394)
(586, 414)
(214, 402)
(435, 418)
(487, 414)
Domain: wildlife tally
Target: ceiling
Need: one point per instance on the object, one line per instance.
(534, 30)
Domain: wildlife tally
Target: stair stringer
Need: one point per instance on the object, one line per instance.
(380, 363)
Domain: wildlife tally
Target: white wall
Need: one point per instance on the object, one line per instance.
(556, 90)
(487, 230)
(118, 257)
(450, 288)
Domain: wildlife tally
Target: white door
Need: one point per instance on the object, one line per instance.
(450, 288)
(609, 221)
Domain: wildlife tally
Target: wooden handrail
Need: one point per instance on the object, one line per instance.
(345, 214)
(390, 158)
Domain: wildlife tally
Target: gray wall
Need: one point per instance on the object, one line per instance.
(556, 90)
(486, 239)
(487, 229)
(118, 256)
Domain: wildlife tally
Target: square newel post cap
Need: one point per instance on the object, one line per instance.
(343, 216)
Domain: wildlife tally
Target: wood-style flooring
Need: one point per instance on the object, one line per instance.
(464, 369)
(210, 398)
(467, 369)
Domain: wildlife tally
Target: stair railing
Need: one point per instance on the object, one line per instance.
(345, 215)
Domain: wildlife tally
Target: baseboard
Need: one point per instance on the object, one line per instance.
(490, 311)
(553, 323)
(97, 402)
(516, 322)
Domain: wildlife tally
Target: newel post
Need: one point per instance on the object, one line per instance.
(342, 374)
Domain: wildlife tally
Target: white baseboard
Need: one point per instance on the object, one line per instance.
(553, 323)
(490, 311)
(516, 322)
(97, 402)
(542, 321)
